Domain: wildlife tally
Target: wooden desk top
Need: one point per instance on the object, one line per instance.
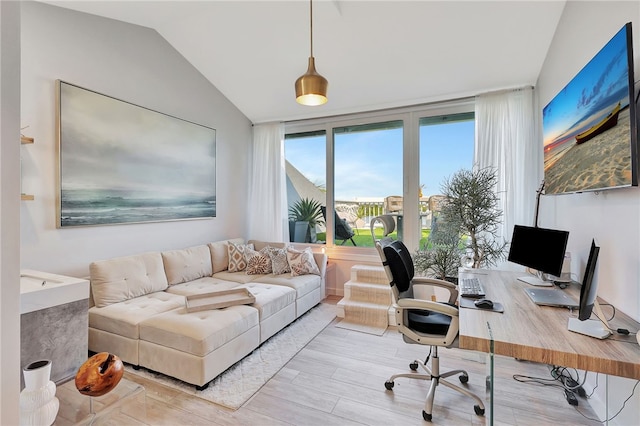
(539, 333)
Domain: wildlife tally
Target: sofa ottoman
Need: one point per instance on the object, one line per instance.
(116, 328)
(307, 288)
(276, 304)
(276, 307)
(197, 346)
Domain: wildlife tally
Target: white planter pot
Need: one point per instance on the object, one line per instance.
(38, 404)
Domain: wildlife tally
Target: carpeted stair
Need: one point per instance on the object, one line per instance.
(366, 302)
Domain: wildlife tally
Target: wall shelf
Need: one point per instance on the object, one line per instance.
(23, 141)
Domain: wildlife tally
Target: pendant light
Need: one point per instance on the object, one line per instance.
(311, 87)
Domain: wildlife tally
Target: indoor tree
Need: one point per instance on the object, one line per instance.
(440, 257)
(471, 203)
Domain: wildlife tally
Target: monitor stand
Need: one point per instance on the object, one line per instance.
(589, 328)
(598, 328)
(529, 279)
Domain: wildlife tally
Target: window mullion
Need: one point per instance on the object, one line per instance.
(330, 220)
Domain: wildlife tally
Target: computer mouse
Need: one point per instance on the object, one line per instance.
(483, 303)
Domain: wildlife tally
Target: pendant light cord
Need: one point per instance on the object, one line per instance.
(311, 24)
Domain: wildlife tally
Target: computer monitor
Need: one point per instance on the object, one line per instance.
(588, 304)
(540, 249)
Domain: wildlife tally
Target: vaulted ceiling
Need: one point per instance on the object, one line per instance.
(375, 54)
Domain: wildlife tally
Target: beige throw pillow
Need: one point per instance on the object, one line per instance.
(258, 262)
(279, 262)
(237, 261)
(302, 262)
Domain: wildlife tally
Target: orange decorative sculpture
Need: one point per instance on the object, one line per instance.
(99, 374)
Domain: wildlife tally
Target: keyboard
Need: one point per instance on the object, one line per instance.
(471, 287)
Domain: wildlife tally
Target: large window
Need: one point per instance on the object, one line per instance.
(305, 155)
(367, 170)
(446, 146)
(359, 167)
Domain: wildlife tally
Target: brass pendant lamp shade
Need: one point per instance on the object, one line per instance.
(311, 87)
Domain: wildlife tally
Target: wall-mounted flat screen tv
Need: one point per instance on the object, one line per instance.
(589, 128)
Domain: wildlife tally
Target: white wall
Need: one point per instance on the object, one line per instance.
(9, 211)
(137, 65)
(612, 217)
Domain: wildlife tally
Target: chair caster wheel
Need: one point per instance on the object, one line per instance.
(388, 385)
(426, 416)
(463, 378)
(479, 411)
(413, 366)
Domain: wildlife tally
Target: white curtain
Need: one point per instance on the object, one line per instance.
(508, 139)
(268, 185)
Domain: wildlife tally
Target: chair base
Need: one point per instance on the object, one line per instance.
(436, 378)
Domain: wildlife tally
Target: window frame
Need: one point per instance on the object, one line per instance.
(410, 117)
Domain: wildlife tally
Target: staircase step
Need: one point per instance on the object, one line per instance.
(391, 313)
(369, 274)
(367, 292)
(366, 313)
(367, 300)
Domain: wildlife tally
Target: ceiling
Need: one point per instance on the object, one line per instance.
(375, 54)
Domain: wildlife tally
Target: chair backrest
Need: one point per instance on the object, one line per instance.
(398, 265)
(388, 225)
(393, 204)
(342, 229)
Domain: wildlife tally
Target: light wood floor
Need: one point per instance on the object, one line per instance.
(338, 379)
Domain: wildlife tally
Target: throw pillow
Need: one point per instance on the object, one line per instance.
(279, 262)
(258, 262)
(237, 261)
(302, 262)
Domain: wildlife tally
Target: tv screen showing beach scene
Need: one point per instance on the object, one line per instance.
(589, 128)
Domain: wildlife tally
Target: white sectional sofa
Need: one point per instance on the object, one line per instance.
(138, 308)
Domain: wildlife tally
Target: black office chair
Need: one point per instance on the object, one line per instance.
(423, 322)
(343, 232)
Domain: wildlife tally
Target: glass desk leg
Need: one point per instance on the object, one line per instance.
(490, 378)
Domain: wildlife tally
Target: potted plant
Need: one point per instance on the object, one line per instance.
(471, 205)
(309, 211)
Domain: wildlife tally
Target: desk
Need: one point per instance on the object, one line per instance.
(538, 333)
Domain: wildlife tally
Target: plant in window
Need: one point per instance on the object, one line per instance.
(310, 211)
(440, 257)
(471, 204)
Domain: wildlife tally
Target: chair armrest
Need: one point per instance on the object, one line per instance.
(427, 305)
(453, 289)
(402, 308)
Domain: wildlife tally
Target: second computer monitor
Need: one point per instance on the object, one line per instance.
(538, 248)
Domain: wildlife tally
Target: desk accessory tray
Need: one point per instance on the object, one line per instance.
(219, 299)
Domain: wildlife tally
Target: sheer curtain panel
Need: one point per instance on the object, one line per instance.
(268, 192)
(508, 139)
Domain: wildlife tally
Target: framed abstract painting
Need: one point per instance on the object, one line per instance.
(121, 163)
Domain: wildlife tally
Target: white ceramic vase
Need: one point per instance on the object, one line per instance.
(38, 402)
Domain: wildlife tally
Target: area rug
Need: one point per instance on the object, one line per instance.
(237, 384)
